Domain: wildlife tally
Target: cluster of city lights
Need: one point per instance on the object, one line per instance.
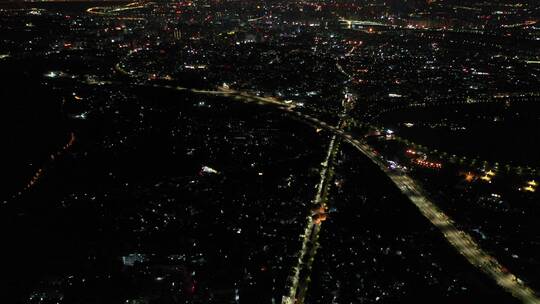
(530, 186)
(427, 164)
(488, 176)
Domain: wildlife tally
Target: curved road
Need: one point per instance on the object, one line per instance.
(459, 239)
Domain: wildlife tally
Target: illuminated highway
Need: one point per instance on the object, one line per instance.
(138, 83)
(299, 281)
(459, 239)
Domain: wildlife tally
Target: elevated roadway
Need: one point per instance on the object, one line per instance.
(459, 239)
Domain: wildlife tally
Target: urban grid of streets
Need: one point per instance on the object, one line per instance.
(459, 239)
(299, 280)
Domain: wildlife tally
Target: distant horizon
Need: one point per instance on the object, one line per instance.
(45, 1)
(276, 151)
